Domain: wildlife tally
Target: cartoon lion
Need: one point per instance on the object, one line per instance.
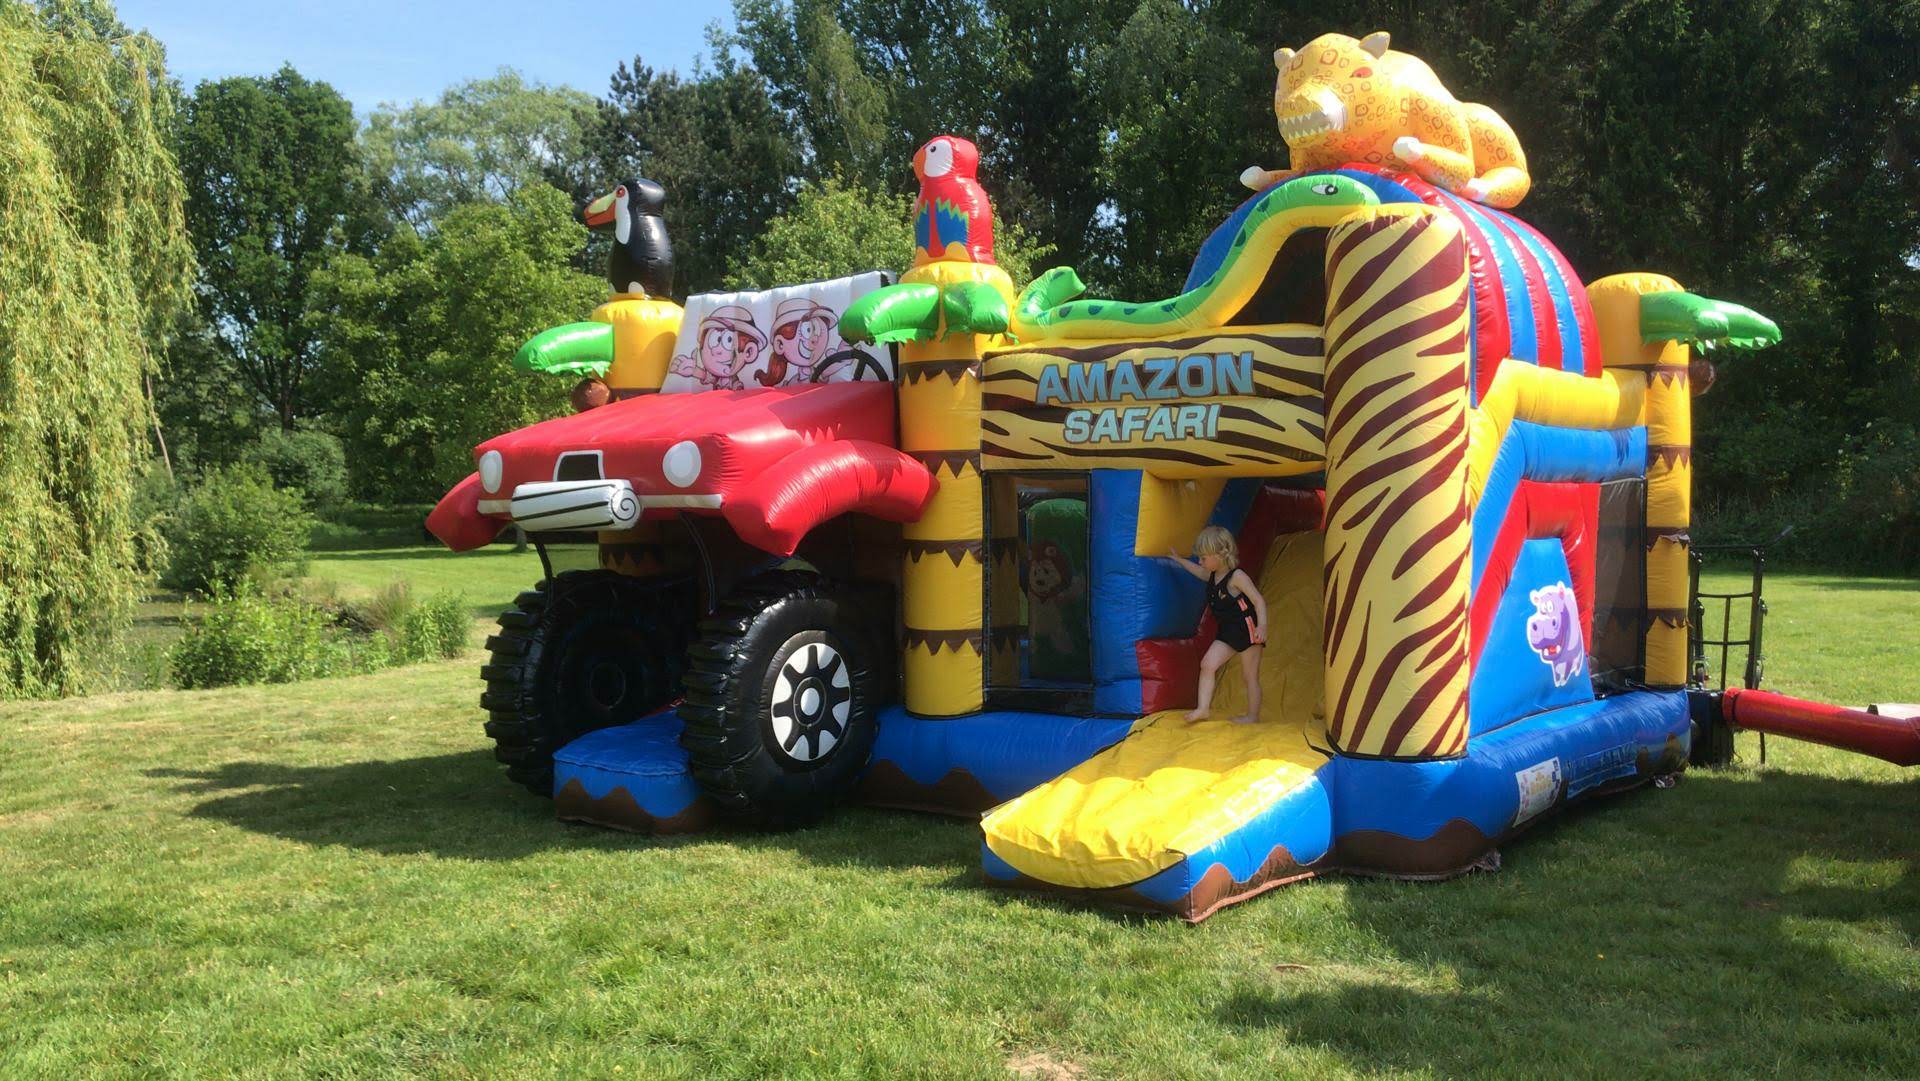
(1051, 587)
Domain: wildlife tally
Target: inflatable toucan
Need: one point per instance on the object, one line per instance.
(642, 259)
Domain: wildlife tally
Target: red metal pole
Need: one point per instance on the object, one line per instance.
(1894, 739)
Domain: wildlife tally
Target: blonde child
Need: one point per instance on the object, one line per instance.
(1239, 617)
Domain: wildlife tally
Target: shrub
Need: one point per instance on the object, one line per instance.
(247, 638)
(388, 607)
(311, 463)
(233, 524)
(433, 629)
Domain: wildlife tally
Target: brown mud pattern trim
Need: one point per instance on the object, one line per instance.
(1672, 617)
(916, 370)
(950, 460)
(1297, 345)
(1216, 889)
(958, 793)
(1455, 849)
(1668, 373)
(619, 810)
(1682, 535)
(1673, 758)
(953, 640)
(1668, 453)
(1458, 848)
(639, 560)
(621, 394)
(956, 550)
(1014, 375)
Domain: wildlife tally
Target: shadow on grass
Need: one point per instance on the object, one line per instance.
(1660, 929)
(461, 806)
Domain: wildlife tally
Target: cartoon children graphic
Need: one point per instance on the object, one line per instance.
(727, 345)
(803, 337)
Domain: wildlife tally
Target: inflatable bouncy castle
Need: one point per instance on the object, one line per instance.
(902, 541)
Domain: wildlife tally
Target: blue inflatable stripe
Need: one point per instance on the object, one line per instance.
(1572, 356)
(1538, 452)
(1388, 191)
(1513, 280)
(1235, 502)
(1213, 251)
(1123, 596)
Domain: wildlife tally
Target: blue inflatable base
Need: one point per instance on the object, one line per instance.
(965, 765)
(632, 777)
(1359, 816)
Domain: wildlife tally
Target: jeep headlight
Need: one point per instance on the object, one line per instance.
(492, 469)
(681, 464)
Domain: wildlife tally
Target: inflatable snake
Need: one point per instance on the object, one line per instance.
(1320, 201)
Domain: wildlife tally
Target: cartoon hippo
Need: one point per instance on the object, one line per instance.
(1553, 631)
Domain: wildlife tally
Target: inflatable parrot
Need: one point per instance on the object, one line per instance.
(951, 289)
(951, 218)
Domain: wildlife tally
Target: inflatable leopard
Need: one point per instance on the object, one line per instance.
(1340, 100)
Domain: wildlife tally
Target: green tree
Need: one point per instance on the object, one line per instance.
(416, 340)
(94, 267)
(481, 141)
(270, 167)
(719, 147)
(836, 229)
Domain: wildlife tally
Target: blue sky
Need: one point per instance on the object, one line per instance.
(401, 50)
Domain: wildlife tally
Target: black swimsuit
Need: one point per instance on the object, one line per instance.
(1232, 615)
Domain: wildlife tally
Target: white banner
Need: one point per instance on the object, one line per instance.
(780, 337)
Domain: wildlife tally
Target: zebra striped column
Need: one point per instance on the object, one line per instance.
(1397, 534)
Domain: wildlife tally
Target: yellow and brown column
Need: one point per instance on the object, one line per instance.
(644, 330)
(943, 581)
(1668, 415)
(1397, 533)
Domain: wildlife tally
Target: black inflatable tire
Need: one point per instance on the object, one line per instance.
(582, 651)
(765, 736)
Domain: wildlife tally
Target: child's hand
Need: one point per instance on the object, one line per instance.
(1173, 553)
(1259, 636)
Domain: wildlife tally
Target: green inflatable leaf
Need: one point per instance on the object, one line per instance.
(573, 349)
(1703, 321)
(974, 308)
(896, 313)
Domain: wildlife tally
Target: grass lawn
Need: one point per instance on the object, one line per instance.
(332, 878)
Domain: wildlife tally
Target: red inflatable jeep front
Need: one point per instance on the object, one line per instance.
(774, 462)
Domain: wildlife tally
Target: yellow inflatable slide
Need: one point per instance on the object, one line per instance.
(1172, 789)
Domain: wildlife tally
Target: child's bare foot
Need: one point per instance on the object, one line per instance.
(1244, 719)
(1196, 715)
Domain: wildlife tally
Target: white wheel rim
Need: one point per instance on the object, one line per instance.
(812, 699)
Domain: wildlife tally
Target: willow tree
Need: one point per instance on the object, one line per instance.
(94, 262)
